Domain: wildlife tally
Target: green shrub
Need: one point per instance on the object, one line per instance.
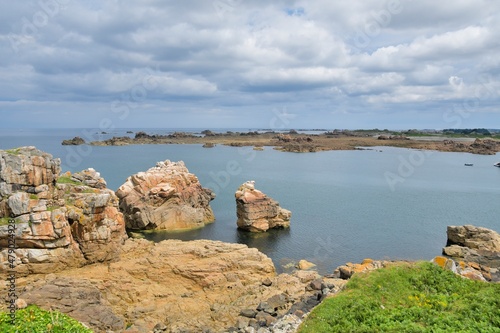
(35, 320)
(419, 297)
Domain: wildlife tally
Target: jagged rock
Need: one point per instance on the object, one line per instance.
(165, 197)
(57, 225)
(257, 212)
(473, 244)
(90, 177)
(26, 168)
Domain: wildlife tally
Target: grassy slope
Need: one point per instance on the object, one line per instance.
(409, 298)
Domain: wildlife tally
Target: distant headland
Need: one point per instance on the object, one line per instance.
(475, 141)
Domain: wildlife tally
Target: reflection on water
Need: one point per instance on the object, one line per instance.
(266, 242)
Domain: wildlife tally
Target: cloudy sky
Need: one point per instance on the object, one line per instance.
(395, 64)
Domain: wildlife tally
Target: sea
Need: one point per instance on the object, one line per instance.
(378, 202)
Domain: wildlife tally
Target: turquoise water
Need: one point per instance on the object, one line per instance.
(344, 208)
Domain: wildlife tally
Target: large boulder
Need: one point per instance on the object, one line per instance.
(257, 212)
(59, 222)
(165, 197)
(473, 244)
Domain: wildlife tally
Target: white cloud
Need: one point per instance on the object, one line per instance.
(248, 56)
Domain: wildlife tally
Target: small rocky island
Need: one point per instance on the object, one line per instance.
(293, 141)
(165, 197)
(257, 212)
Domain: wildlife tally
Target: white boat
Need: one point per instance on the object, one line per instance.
(497, 164)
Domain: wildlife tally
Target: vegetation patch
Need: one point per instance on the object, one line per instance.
(15, 151)
(5, 220)
(33, 319)
(67, 180)
(419, 297)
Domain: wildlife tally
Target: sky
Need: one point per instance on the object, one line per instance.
(396, 64)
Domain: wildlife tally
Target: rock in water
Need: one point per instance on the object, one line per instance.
(58, 225)
(476, 244)
(166, 197)
(257, 212)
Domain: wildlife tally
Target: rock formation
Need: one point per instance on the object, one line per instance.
(257, 212)
(473, 244)
(58, 224)
(166, 197)
(196, 286)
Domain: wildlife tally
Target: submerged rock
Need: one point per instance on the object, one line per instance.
(257, 212)
(166, 197)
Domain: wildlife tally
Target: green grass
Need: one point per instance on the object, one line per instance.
(35, 320)
(419, 297)
(52, 208)
(67, 180)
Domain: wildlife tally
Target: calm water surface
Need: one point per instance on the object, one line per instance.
(343, 208)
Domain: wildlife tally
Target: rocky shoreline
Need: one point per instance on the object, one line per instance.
(296, 142)
(73, 254)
